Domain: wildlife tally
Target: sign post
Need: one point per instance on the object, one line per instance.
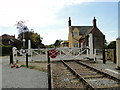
(11, 57)
(49, 71)
(50, 54)
(27, 60)
(104, 58)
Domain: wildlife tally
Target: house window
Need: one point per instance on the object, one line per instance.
(75, 34)
(75, 44)
(9, 42)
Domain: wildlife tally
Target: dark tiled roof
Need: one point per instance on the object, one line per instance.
(6, 36)
(83, 29)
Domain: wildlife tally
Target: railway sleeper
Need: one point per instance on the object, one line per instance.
(96, 76)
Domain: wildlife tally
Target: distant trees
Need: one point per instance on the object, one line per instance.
(57, 43)
(111, 45)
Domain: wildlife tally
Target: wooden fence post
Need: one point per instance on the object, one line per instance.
(11, 57)
(104, 59)
(115, 56)
(27, 60)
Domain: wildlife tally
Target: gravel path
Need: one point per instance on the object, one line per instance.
(22, 77)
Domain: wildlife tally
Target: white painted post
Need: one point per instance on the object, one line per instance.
(87, 51)
(81, 46)
(29, 47)
(14, 49)
(29, 44)
(31, 54)
(91, 44)
(95, 54)
(118, 52)
(61, 53)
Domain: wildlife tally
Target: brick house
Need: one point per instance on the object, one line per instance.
(65, 43)
(79, 35)
(9, 40)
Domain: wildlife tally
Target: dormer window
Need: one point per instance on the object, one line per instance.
(75, 34)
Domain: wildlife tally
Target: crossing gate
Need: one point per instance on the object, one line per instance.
(55, 54)
(33, 54)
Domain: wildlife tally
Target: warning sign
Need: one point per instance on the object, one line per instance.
(53, 53)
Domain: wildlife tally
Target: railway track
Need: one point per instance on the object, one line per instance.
(91, 78)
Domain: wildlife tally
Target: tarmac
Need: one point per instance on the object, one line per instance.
(22, 77)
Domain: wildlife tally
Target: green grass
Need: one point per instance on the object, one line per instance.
(40, 61)
(31, 67)
(22, 65)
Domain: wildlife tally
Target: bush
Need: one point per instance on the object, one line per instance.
(5, 50)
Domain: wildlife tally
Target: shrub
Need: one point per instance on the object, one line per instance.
(6, 50)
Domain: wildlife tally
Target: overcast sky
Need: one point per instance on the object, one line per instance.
(49, 18)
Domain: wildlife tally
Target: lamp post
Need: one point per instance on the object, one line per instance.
(23, 43)
(23, 40)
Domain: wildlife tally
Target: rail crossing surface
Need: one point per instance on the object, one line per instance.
(22, 77)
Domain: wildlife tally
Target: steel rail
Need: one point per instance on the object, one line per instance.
(105, 74)
(89, 86)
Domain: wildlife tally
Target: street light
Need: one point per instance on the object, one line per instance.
(23, 43)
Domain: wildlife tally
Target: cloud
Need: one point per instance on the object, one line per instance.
(35, 12)
(50, 35)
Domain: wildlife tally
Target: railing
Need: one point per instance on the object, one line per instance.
(63, 53)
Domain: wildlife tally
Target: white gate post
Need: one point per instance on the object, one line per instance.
(29, 49)
(14, 49)
(31, 54)
(87, 51)
(61, 53)
(91, 44)
(29, 44)
(118, 52)
(95, 51)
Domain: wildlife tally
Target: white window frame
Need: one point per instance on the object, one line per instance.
(75, 34)
(76, 44)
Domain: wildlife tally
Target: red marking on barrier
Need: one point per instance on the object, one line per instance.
(53, 53)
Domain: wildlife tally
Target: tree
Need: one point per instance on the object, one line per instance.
(57, 43)
(26, 34)
(21, 26)
(105, 44)
(112, 45)
(36, 41)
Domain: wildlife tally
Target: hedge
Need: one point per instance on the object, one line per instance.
(5, 50)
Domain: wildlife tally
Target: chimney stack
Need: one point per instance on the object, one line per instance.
(94, 22)
(69, 22)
